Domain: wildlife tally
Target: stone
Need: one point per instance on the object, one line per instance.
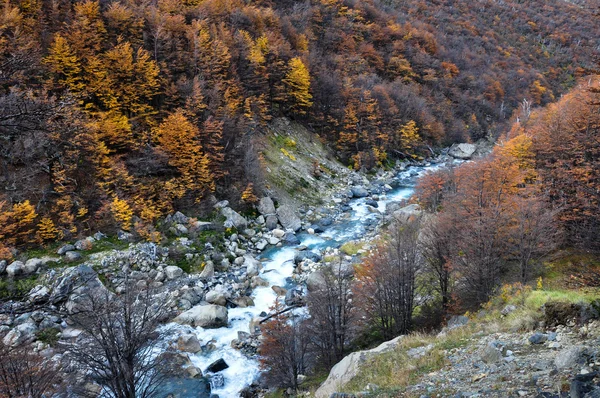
(253, 266)
(306, 254)
(274, 241)
(180, 218)
(181, 229)
(291, 239)
(462, 151)
(508, 309)
(407, 213)
(15, 268)
(205, 316)
(491, 353)
(217, 366)
(349, 367)
(315, 281)
(538, 338)
(280, 291)
(325, 221)
(569, 357)
(271, 222)
(233, 219)
(359, 191)
(278, 233)
(173, 272)
(288, 218)
(3, 264)
(261, 244)
(72, 256)
(65, 248)
(83, 244)
(457, 321)
(294, 297)
(189, 343)
(208, 271)
(266, 206)
(215, 297)
(21, 334)
(221, 204)
(243, 301)
(201, 226)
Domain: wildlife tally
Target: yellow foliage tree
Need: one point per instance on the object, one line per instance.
(248, 195)
(410, 140)
(297, 81)
(122, 213)
(47, 231)
(17, 223)
(64, 66)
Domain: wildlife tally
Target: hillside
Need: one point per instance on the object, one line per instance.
(114, 114)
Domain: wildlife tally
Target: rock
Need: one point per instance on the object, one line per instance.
(201, 226)
(205, 316)
(315, 281)
(83, 244)
(181, 229)
(306, 254)
(208, 271)
(266, 206)
(349, 367)
(15, 268)
(419, 352)
(457, 321)
(291, 239)
(274, 241)
(173, 272)
(280, 291)
(21, 334)
(538, 338)
(215, 297)
(243, 301)
(72, 256)
(294, 297)
(261, 244)
(508, 309)
(359, 191)
(3, 264)
(125, 236)
(217, 366)
(325, 221)
(288, 218)
(569, 357)
(38, 293)
(65, 248)
(253, 266)
(222, 204)
(278, 233)
(180, 218)
(462, 151)
(491, 353)
(271, 222)
(372, 203)
(233, 219)
(407, 213)
(179, 386)
(189, 343)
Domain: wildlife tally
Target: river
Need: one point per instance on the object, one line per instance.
(277, 270)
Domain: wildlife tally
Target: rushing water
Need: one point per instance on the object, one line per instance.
(277, 270)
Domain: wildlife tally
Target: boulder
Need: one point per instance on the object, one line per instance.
(253, 266)
(65, 248)
(291, 239)
(457, 321)
(243, 301)
(288, 218)
(201, 226)
(271, 222)
(266, 206)
(15, 268)
(294, 297)
(3, 264)
(208, 271)
(180, 218)
(359, 191)
(189, 343)
(72, 256)
(325, 221)
(215, 297)
(274, 241)
(306, 254)
(205, 316)
(278, 233)
(280, 291)
(462, 151)
(315, 281)
(538, 338)
(407, 213)
(491, 353)
(83, 244)
(173, 272)
(349, 367)
(21, 334)
(261, 244)
(569, 357)
(233, 219)
(217, 366)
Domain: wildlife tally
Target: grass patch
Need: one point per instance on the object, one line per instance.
(17, 288)
(351, 248)
(48, 336)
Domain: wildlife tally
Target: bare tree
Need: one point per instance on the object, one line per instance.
(332, 313)
(116, 348)
(387, 279)
(25, 374)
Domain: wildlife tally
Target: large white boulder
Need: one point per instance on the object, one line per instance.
(288, 218)
(205, 316)
(462, 151)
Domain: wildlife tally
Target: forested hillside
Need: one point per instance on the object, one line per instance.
(115, 113)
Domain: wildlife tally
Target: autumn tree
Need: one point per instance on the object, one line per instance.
(297, 81)
(283, 351)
